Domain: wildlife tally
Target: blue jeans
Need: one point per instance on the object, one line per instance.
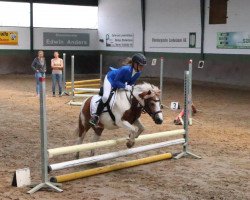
(37, 76)
(57, 78)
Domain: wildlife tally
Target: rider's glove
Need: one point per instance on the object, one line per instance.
(128, 87)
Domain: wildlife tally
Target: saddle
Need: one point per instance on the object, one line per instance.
(108, 105)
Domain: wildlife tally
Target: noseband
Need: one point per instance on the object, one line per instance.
(147, 110)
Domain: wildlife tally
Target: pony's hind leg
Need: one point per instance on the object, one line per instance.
(96, 136)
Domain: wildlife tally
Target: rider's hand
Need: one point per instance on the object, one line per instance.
(128, 87)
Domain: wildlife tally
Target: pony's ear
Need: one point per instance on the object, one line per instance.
(142, 95)
(145, 95)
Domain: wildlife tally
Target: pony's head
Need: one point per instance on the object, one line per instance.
(149, 97)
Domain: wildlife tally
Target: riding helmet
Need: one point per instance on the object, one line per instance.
(140, 59)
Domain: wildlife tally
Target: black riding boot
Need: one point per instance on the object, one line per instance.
(95, 119)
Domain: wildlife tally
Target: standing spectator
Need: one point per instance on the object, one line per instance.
(57, 67)
(39, 67)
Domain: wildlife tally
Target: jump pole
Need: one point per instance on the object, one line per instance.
(185, 151)
(110, 168)
(190, 69)
(108, 143)
(112, 155)
(64, 69)
(161, 80)
(72, 75)
(178, 119)
(87, 89)
(44, 143)
(91, 81)
(64, 76)
(161, 77)
(101, 66)
(64, 72)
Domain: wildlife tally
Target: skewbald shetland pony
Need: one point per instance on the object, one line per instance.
(127, 109)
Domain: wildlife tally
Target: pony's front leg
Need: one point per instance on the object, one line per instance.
(96, 137)
(140, 127)
(131, 140)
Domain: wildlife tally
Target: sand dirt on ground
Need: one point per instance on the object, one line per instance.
(221, 135)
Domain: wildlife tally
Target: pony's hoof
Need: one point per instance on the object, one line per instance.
(130, 144)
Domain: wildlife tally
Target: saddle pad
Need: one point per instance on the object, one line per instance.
(95, 101)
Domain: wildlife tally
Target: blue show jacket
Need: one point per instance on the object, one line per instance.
(118, 77)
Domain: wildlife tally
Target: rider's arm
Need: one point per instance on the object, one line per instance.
(134, 78)
(119, 77)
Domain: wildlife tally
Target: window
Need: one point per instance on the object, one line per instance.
(218, 12)
(65, 16)
(14, 14)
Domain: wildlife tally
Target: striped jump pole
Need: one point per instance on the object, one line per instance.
(178, 120)
(190, 69)
(185, 151)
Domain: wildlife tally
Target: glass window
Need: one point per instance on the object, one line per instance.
(14, 14)
(65, 16)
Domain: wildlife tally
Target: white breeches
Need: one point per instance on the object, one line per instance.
(106, 90)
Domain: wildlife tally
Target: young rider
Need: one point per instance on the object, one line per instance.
(124, 77)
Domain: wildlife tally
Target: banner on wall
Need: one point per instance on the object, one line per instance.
(233, 40)
(65, 39)
(173, 40)
(120, 40)
(8, 38)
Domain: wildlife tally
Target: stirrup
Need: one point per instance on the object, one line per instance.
(94, 120)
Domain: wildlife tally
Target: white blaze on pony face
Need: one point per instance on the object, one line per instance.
(159, 115)
(153, 107)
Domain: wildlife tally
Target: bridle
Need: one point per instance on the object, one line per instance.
(145, 108)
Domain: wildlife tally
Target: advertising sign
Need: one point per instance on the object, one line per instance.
(119, 40)
(8, 38)
(65, 39)
(233, 40)
(173, 40)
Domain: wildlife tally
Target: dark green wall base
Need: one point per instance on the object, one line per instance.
(219, 68)
(19, 61)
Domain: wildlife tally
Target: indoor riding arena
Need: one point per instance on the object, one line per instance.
(177, 123)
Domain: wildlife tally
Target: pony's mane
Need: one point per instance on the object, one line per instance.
(145, 87)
